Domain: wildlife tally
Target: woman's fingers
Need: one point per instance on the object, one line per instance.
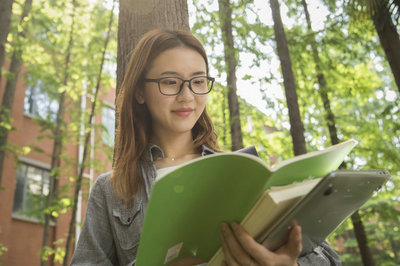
(294, 245)
(252, 247)
(233, 250)
(229, 260)
(259, 255)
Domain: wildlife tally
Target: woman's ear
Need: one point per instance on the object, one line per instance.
(139, 96)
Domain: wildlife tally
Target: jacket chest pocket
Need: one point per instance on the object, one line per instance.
(128, 225)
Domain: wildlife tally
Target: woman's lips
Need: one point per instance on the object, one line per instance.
(183, 112)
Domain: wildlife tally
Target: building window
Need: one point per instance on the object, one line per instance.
(108, 121)
(31, 191)
(38, 103)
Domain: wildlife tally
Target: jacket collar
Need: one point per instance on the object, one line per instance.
(155, 151)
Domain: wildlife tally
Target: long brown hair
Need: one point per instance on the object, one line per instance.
(134, 124)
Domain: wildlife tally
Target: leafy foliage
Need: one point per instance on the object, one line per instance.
(363, 98)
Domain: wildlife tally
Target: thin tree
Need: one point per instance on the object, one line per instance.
(86, 146)
(225, 15)
(296, 124)
(5, 20)
(359, 230)
(11, 84)
(323, 88)
(55, 161)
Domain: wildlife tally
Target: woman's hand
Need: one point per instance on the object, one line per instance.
(241, 249)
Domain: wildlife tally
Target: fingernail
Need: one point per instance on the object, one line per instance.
(235, 225)
(224, 227)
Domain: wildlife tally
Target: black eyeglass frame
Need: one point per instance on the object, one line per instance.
(183, 82)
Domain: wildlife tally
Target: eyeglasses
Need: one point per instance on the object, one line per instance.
(171, 86)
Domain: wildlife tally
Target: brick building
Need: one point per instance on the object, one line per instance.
(25, 178)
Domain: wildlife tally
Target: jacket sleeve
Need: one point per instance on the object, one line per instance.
(322, 255)
(95, 245)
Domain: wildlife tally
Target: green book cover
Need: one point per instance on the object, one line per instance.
(187, 205)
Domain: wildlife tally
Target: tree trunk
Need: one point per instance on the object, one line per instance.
(54, 174)
(362, 241)
(389, 39)
(296, 124)
(323, 90)
(86, 147)
(5, 20)
(138, 17)
(11, 84)
(225, 14)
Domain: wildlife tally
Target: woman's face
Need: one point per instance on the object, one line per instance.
(174, 114)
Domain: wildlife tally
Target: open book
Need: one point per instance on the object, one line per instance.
(187, 205)
(325, 204)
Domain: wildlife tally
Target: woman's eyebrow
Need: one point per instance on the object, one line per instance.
(177, 74)
(198, 73)
(169, 73)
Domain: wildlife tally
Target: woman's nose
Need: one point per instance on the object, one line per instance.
(185, 93)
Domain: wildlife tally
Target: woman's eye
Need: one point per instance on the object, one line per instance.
(199, 81)
(169, 82)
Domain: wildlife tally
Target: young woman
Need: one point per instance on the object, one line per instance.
(163, 123)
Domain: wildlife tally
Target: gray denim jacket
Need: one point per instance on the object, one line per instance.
(111, 230)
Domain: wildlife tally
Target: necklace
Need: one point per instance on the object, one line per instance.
(191, 155)
(167, 158)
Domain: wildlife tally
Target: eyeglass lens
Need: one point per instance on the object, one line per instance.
(199, 85)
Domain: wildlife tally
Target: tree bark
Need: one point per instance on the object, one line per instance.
(138, 17)
(57, 146)
(366, 254)
(225, 14)
(296, 124)
(389, 39)
(11, 84)
(86, 147)
(5, 20)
